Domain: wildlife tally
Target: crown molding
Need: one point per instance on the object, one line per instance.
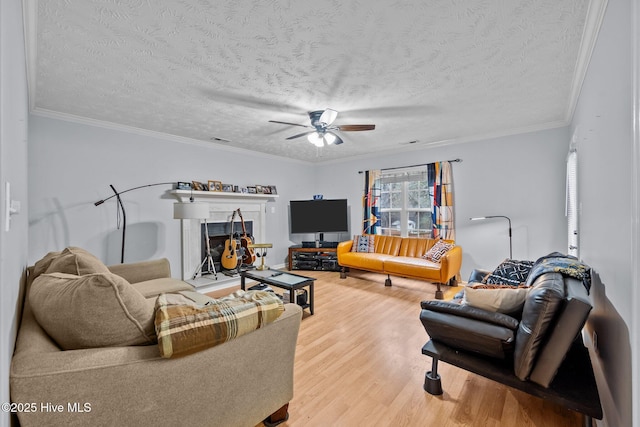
(159, 135)
(594, 18)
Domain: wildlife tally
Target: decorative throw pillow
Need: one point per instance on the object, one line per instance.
(185, 327)
(365, 243)
(436, 251)
(505, 300)
(76, 261)
(510, 272)
(94, 310)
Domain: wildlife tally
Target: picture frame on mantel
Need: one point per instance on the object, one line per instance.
(199, 186)
(215, 185)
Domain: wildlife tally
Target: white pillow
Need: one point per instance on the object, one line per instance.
(503, 300)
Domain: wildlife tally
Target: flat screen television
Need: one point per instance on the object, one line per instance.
(319, 216)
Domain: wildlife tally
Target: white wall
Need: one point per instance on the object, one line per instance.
(13, 169)
(520, 176)
(603, 127)
(71, 166)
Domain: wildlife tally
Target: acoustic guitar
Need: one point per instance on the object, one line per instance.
(229, 258)
(248, 254)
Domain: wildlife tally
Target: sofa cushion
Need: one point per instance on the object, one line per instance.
(505, 300)
(435, 252)
(365, 243)
(184, 327)
(371, 262)
(465, 327)
(413, 267)
(155, 287)
(545, 298)
(94, 310)
(510, 272)
(76, 261)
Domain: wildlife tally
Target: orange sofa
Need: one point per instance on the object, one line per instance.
(402, 256)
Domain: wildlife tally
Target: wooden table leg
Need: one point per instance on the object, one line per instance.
(278, 417)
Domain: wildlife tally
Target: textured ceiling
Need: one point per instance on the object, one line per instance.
(420, 70)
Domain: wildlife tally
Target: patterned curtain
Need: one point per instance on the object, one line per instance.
(441, 191)
(371, 203)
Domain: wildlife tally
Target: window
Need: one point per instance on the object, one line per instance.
(571, 209)
(405, 203)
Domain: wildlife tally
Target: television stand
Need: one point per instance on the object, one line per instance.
(320, 259)
(320, 244)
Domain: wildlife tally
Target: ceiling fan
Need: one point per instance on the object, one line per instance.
(323, 132)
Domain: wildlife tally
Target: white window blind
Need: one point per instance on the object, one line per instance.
(571, 208)
(405, 203)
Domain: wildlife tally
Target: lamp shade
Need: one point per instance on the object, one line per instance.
(191, 210)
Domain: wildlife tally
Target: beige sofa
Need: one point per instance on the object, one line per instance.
(238, 383)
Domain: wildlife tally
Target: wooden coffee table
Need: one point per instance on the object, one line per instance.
(279, 279)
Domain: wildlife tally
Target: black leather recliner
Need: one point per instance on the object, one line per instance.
(538, 350)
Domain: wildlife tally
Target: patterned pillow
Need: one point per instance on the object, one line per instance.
(184, 327)
(437, 250)
(509, 272)
(365, 243)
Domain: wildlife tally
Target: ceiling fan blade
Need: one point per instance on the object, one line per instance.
(352, 128)
(287, 123)
(328, 116)
(299, 135)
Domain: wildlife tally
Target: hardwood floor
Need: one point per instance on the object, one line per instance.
(359, 363)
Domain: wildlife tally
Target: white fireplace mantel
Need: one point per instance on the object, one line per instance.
(185, 195)
(221, 208)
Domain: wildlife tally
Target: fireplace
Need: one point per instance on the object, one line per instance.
(218, 234)
(221, 208)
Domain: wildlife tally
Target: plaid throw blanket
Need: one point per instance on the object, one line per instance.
(566, 265)
(184, 327)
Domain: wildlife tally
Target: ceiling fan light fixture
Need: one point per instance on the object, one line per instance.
(329, 138)
(316, 139)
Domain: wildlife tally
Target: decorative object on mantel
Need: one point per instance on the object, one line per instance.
(124, 214)
(215, 186)
(193, 210)
(199, 186)
(498, 216)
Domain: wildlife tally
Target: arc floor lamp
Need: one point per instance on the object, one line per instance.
(121, 209)
(479, 218)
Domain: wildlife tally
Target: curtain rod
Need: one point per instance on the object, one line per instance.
(413, 166)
